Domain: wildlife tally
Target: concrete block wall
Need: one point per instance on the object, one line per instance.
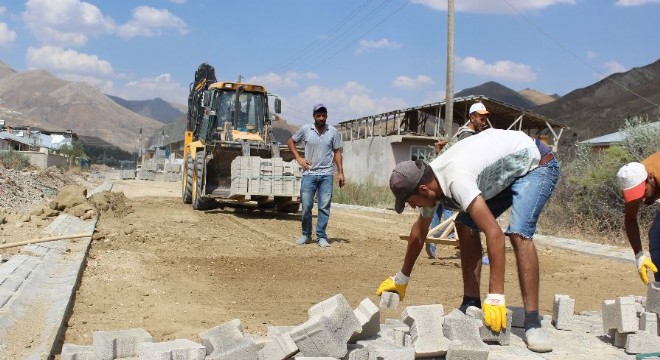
(252, 175)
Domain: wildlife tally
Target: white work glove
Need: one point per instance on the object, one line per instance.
(643, 265)
(494, 308)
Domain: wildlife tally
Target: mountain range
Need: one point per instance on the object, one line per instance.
(37, 98)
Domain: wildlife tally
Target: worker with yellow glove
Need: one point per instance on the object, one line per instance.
(481, 177)
(640, 183)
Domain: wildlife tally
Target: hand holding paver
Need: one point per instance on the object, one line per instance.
(644, 264)
(397, 284)
(494, 308)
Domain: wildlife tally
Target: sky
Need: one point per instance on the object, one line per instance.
(358, 57)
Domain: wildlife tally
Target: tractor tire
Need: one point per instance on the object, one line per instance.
(200, 202)
(188, 169)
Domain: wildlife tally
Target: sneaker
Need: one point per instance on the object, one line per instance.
(430, 250)
(302, 240)
(537, 340)
(323, 242)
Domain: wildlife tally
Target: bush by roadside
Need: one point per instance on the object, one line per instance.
(14, 160)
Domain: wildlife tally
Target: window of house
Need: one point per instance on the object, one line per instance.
(425, 153)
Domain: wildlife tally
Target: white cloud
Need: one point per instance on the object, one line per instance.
(494, 7)
(7, 36)
(636, 2)
(591, 54)
(59, 60)
(502, 70)
(65, 22)
(411, 83)
(148, 21)
(368, 45)
(286, 80)
(162, 86)
(612, 67)
(352, 100)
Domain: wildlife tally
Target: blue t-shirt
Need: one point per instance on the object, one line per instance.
(319, 148)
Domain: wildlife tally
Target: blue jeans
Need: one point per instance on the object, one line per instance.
(527, 196)
(321, 185)
(654, 242)
(439, 215)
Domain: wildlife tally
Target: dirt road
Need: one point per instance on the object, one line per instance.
(176, 272)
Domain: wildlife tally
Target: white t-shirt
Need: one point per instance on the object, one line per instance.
(484, 163)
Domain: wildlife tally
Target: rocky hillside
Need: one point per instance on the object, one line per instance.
(157, 109)
(602, 108)
(499, 92)
(537, 98)
(37, 98)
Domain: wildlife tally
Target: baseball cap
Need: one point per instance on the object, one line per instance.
(320, 107)
(405, 180)
(478, 107)
(632, 180)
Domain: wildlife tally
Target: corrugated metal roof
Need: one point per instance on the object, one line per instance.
(613, 138)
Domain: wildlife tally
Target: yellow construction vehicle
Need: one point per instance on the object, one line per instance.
(229, 156)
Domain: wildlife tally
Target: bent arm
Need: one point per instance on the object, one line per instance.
(292, 147)
(631, 225)
(416, 241)
(483, 218)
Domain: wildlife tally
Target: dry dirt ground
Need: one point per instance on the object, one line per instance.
(176, 272)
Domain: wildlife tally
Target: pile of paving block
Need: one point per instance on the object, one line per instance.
(632, 321)
(253, 175)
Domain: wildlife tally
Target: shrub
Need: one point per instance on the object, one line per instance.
(366, 194)
(14, 160)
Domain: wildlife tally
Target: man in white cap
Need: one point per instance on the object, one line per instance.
(640, 183)
(482, 176)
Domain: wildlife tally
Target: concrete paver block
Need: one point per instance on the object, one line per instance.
(389, 300)
(383, 350)
(517, 316)
(619, 339)
(368, 315)
(316, 337)
(653, 297)
(487, 335)
(642, 343)
(563, 309)
(109, 345)
(460, 327)
(178, 349)
(77, 352)
(274, 331)
(425, 323)
(648, 322)
(609, 316)
(279, 347)
(394, 331)
(341, 315)
(356, 352)
(245, 349)
(223, 335)
(626, 315)
(459, 350)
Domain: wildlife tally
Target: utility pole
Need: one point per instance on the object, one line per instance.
(449, 97)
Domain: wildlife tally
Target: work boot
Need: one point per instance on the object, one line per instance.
(303, 240)
(537, 340)
(323, 242)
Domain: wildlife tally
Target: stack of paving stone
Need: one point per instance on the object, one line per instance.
(632, 321)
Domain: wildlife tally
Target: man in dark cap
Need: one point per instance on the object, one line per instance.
(482, 176)
(322, 153)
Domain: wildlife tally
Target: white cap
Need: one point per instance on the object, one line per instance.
(632, 180)
(479, 108)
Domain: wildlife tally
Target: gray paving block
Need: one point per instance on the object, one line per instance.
(178, 349)
(459, 350)
(11, 284)
(517, 316)
(368, 315)
(648, 322)
(626, 315)
(316, 337)
(425, 323)
(341, 315)
(77, 352)
(653, 297)
(389, 300)
(487, 335)
(393, 330)
(563, 310)
(642, 343)
(278, 347)
(461, 327)
(619, 339)
(609, 315)
(223, 335)
(383, 350)
(109, 345)
(356, 352)
(245, 349)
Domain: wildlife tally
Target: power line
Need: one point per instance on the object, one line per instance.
(560, 45)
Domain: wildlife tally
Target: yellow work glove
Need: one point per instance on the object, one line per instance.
(494, 309)
(397, 284)
(644, 264)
